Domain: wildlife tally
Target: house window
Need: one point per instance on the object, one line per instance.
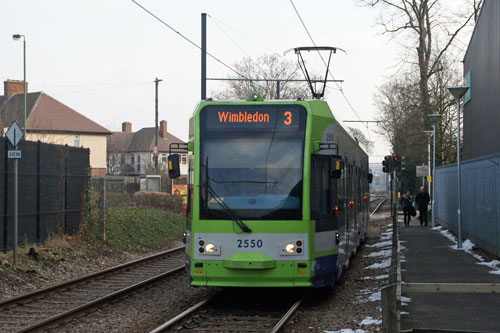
(183, 159)
(122, 159)
(164, 158)
(132, 159)
(138, 168)
(77, 141)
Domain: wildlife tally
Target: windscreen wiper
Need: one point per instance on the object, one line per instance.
(229, 212)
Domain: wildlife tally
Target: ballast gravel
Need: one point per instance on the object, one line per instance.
(352, 305)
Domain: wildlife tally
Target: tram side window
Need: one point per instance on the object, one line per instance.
(320, 187)
(315, 202)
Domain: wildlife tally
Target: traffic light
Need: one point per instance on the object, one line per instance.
(396, 162)
(388, 164)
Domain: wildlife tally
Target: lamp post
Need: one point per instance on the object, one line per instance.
(458, 92)
(435, 118)
(17, 37)
(431, 133)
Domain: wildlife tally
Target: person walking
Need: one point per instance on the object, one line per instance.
(422, 199)
(406, 204)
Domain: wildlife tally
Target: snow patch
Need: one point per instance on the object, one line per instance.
(379, 277)
(405, 300)
(382, 253)
(381, 244)
(379, 265)
(346, 330)
(371, 321)
(492, 264)
(375, 297)
(448, 235)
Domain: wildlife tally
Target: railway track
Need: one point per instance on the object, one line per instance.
(379, 203)
(239, 310)
(47, 306)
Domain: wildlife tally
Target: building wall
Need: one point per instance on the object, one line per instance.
(482, 111)
(115, 161)
(480, 204)
(96, 144)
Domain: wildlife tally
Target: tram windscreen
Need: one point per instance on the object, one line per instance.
(252, 159)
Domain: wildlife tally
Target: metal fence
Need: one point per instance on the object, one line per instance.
(480, 200)
(52, 181)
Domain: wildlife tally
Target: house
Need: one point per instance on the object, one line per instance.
(131, 153)
(50, 121)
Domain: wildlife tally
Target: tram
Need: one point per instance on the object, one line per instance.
(278, 194)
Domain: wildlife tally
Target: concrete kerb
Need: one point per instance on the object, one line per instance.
(391, 294)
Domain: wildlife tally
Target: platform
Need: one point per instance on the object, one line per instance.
(428, 257)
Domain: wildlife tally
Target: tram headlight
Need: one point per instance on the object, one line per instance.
(210, 248)
(290, 248)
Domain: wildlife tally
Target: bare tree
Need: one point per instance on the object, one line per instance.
(266, 67)
(431, 28)
(362, 139)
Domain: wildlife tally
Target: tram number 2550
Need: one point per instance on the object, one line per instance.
(251, 243)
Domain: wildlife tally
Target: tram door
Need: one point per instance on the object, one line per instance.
(324, 200)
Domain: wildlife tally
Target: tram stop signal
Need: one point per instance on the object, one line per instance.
(387, 163)
(391, 163)
(396, 165)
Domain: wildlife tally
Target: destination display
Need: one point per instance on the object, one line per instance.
(263, 117)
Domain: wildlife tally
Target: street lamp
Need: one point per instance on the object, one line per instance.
(458, 92)
(17, 37)
(435, 117)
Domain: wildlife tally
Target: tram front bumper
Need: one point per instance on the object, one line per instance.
(259, 271)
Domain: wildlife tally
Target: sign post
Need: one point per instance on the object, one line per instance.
(14, 135)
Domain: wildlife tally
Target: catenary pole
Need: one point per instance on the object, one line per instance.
(203, 56)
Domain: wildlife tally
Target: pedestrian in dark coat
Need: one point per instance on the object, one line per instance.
(406, 204)
(422, 199)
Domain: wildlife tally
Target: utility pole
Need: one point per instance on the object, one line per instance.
(155, 150)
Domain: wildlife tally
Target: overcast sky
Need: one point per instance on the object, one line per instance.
(101, 57)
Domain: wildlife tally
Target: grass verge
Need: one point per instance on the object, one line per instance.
(131, 228)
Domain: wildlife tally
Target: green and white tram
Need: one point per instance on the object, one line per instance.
(278, 194)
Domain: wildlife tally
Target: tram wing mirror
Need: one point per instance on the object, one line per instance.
(370, 178)
(336, 167)
(174, 168)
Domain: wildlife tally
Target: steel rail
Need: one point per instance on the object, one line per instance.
(379, 205)
(65, 284)
(183, 314)
(207, 300)
(288, 314)
(68, 314)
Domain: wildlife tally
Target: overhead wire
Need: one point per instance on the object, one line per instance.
(190, 41)
(324, 62)
(230, 38)
(245, 35)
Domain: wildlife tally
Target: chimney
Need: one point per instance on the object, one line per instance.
(13, 87)
(126, 127)
(163, 128)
